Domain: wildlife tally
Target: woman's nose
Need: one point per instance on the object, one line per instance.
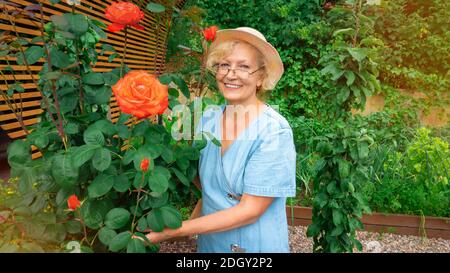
(231, 74)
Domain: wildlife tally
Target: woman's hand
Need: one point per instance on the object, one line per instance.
(157, 237)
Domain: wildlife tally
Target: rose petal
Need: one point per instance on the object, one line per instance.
(115, 27)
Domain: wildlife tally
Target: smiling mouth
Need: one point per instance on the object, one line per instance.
(233, 86)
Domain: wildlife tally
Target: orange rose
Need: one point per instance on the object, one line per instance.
(141, 94)
(122, 14)
(73, 203)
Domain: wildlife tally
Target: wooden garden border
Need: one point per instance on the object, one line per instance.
(432, 227)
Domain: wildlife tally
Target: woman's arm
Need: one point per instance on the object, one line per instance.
(249, 209)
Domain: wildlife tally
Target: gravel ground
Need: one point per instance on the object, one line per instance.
(371, 241)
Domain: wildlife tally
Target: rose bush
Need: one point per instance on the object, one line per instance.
(97, 182)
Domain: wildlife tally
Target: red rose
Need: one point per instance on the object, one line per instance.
(210, 33)
(123, 14)
(144, 164)
(141, 94)
(73, 203)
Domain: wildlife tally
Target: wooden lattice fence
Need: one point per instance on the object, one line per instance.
(146, 49)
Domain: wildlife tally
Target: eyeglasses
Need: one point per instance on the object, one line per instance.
(224, 69)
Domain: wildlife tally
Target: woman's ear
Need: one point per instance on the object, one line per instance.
(259, 82)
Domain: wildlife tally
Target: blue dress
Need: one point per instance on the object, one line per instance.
(260, 161)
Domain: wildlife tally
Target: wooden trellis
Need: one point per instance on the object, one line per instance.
(146, 50)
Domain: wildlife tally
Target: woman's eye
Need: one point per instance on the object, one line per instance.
(244, 66)
(224, 65)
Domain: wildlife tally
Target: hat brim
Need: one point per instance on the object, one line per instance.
(274, 65)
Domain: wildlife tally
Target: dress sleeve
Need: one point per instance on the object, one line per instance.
(270, 169)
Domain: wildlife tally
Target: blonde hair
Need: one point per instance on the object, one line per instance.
(226, 48)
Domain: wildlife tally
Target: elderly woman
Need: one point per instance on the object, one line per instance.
(246, 180)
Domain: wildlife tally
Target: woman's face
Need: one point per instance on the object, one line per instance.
(237, 86)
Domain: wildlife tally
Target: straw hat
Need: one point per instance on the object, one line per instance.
(274, 65)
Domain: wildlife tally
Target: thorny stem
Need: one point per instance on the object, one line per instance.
(84, 226)
(13, 107)
(356, 11)
(133, 224)
(80, 88)
(58, 109)
(47, 104)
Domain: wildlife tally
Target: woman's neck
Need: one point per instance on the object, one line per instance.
(251, 106)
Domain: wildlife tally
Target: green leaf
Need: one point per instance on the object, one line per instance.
(107, 47)
(181, 176)
(331, 188)
(93, 78)
(110, 79)
(98, 23)
(68, 103)
(101, 159)
(167, 155)
(156, 202)
(165, 79)
(101, 185)
(120, 241)
(174, 92)
(32, 55)
(171, 217)
(121, 183)
(155, 7)
(52, 75)
(183, 163)
(60, 22)
(363, 150)
(117, 218)
(334, 246)
(105, 235)
(94, 211)
(129, 156)
(136, 246)
(112, 57)
(93, 136)
(346, 31)
(337, 231)
(78, 23)
(73, 227)
(358, 54)
(19, 152)
(155, 220)
(344, 168)
(313, 230)
(59, 59)
(158, 180)
(106, 127)
(350, 76)
(66, 34)
(142, 224)
(83, 154)
(123, 118)
(64, 171)
(337, 217)
(98, 94)
(41, 141)
(182, 85)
